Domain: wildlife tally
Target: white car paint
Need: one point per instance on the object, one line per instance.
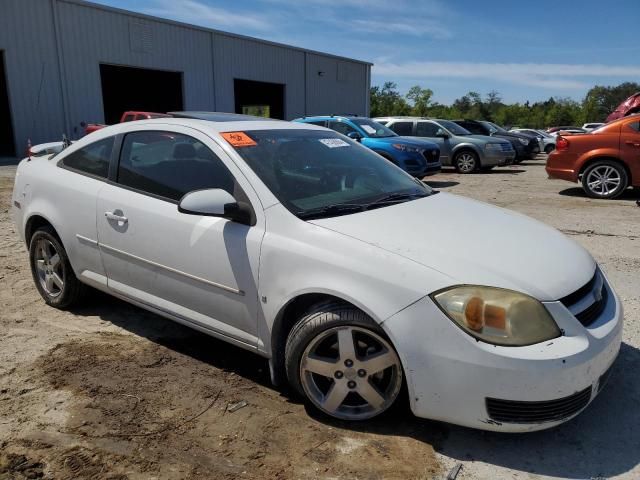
(232, 281)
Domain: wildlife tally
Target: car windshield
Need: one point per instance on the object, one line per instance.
(373, 129)
(495, 128)
(317, 174)
(454, 128)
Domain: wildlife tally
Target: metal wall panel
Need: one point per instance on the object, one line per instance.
(336, 86)
(252, 60)
(90, 36)
(33, 82)
(53, 49)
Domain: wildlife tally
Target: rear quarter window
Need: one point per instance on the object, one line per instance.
(93, 159)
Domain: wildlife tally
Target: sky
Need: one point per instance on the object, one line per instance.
(526, 50)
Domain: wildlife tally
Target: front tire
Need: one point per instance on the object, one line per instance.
(466, 161)
(341, 361)
(605, 179)
(52, 273)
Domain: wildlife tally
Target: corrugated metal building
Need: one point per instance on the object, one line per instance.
(65, 62)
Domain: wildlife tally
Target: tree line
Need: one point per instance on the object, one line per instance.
(599, 102)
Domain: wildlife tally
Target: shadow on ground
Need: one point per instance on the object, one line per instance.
(629, 193)
(603, 441)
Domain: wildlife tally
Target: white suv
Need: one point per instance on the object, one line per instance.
(354, 279)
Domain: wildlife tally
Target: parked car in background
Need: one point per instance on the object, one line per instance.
(606, 161)
(526, 147)
(570, 130)
(414, 156)
(629, 106)
(564, 127)
(591, 126)
(548, 141)
(467, 153)
(126, 117)
(357, 282)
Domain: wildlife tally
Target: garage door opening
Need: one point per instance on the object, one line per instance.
(129, 88)
(7, 146)
(262, 99)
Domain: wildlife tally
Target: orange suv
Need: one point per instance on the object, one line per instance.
(606, 161)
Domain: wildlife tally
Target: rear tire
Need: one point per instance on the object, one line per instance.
(342, 362)
(605, 179)
(52, 273)
(466, 161)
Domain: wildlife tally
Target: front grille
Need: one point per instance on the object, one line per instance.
(511, 411)
(431, 156)
(595, 290)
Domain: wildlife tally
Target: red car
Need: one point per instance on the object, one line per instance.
(126, 117)
(606, 161)
(629, 106)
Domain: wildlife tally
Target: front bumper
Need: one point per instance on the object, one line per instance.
(451, 376)
(491, 159)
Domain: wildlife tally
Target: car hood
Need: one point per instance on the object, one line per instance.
(410, 141)
(474, 243)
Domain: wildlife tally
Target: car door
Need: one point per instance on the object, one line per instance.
(404, 128)
(630, 147)
(84, 172)
(198, 269)
(429, 130)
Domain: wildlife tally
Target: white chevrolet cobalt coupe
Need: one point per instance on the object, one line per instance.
(355, 280)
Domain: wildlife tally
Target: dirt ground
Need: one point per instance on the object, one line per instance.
(109, 391)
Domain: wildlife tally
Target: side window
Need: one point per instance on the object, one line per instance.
(128, 118)
(635, 126)
(170, 165)
(426, 129)
(92, 159)
(473, 128)
(320, 123)
(341, 127)
(402, 128)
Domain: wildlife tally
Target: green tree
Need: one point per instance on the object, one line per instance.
(386, 100)
(420, 99)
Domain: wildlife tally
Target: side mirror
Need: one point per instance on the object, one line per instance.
(354, 136)
(442, 134)
(215, 202)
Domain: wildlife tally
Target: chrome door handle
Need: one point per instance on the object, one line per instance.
(116, 218)
(631, 142)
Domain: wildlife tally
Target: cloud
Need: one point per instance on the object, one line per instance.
(416, 29)
(194, 12)
(544, 75)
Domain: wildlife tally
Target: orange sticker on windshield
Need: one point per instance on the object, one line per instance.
(238, 139)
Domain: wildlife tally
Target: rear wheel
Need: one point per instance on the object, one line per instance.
(604, 179)
(342, 362)
(466, 161)
(51, 270)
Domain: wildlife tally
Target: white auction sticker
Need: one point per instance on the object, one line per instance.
(368, 128)
(333, 142)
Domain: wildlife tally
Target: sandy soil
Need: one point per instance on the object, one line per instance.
(109, 391)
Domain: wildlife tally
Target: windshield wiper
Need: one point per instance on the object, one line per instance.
(331, 211)
(398, 197)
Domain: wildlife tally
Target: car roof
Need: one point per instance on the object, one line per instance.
(219, 116)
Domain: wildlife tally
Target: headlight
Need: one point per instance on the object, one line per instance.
(406, 148)
(496, 147)
(524, 141)
(497, 316)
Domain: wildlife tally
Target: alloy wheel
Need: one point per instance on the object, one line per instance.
(466, 162)
(350, 373)
(604, 180)
(49, 268)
